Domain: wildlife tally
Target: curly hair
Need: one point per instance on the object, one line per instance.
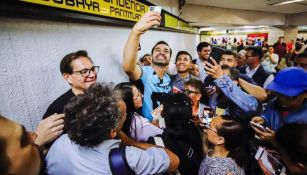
(91, 116)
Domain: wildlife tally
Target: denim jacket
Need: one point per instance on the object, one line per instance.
(271, 114)
(239, 102)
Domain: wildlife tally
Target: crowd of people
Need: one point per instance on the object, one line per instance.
(209, 116)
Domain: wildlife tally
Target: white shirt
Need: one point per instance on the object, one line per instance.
(268, 66)
(251, 72)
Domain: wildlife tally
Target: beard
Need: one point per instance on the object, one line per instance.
(166, 63)
(160, 64)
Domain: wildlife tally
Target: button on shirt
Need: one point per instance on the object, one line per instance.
(67, 158)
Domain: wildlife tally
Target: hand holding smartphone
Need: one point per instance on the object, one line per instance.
(155, 9)
(270, 162)
(258, 126)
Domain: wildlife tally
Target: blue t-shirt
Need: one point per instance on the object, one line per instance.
(154, 90)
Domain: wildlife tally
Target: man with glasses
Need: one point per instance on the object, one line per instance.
(254, 69)
(78, 70)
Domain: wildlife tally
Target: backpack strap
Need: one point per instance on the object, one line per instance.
(118, 162)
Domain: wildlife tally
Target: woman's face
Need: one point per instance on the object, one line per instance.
(211, 131)
(137, 98)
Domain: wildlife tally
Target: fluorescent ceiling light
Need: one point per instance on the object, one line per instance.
(282, 2)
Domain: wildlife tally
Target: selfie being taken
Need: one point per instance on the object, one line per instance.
(174, 87)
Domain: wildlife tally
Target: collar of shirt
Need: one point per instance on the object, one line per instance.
(178, 78)
(251, 72)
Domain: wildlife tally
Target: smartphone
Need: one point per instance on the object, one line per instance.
(258, 126)
(156, 113)
(210, 60)
(176, 90)
(270, 162)
(155, 9)
(208, 114)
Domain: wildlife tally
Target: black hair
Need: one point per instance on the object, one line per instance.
(126, 94)
(256, 51)
(161, 42)
(201, 45)
(291, 140)
(229, 52)
(4, 159)
(90, 117)
(142, 58)
(197, 84)
(235, 135)
(298, 46)
(302, 55)
(177, 112)
(183, 52)
(65, 66)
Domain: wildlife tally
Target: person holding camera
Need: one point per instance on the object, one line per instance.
(270, 61)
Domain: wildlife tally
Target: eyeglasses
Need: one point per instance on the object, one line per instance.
(188, 92)
(248, 56)
(87, 72)
(207, 127)
(140, 95)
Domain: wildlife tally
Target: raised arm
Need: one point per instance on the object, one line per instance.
(131, 48)
(254, 90)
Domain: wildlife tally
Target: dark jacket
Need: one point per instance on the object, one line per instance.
(260, 75)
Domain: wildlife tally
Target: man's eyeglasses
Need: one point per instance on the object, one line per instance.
(87, 72)
(248, 56)
(188, 92)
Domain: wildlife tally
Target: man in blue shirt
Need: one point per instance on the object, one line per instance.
(156, 82)
(230, 99)
(290, 104)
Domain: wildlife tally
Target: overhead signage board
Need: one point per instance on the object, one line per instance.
(131, 10)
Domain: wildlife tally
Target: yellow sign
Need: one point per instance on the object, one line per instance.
(131, 10)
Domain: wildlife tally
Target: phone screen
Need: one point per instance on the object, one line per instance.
(155, 8)
(208, 114)
(270, 162)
